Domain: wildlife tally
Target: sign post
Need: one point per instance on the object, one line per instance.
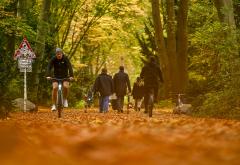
(25, 55)
(25, 90)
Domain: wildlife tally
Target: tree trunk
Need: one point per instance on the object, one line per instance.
(21, 8)
(236, 7)
(42, 31)
(171, 46)
(225, 12)
(182, 45)
(161, 48)
(226, 16)
(11, 38)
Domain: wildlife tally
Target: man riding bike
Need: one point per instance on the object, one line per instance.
(151, 74)
(62, 69)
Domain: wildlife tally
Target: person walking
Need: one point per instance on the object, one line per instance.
(121, 83)
(138, 93)
(62, 70)
(151, 75)
(104, 85)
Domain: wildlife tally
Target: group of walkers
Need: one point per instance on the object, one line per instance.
(106, 85)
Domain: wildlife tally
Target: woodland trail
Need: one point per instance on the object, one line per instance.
(112, 138)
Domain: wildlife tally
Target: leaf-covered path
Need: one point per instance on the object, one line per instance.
(112, 138)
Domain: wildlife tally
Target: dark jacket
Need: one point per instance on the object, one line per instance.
(62, 67)
(121, 83)
(151, 74)
(138, 90)
(103, 84)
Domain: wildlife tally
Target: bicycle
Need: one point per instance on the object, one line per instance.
(179, 101)
(59, 102)
(88, 98)
(179, 108)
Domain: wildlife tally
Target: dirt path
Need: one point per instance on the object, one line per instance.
(93, 138)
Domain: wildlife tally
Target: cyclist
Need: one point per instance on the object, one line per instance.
(151, 74)
(62, 69)
(88, 97)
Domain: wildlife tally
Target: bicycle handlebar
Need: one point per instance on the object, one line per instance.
(181, 94)
(60, 79)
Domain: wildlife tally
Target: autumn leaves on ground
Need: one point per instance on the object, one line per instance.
(112, 138)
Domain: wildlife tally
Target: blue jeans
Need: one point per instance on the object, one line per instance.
(103, 103)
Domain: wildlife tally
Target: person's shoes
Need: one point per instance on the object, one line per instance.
(53, 107)
(145, 111)
(65, 103)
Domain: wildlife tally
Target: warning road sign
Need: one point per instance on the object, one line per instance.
(24, 51)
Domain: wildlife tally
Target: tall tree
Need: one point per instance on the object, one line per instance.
(8, 13)
(160, 44)
(171, 46)
(42, 32)
(11, 37)
(22, 8)
(173, 53)
(182, 44)
(225, 12)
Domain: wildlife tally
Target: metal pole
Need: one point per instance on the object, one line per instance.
(25, 89)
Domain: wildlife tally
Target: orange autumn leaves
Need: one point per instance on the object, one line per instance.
(112, 138)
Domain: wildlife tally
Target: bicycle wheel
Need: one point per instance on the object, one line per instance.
(59, 103)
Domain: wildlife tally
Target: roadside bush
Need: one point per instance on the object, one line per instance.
(222, 104)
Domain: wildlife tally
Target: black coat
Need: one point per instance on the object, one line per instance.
(121, 83)
(103, 84)
(62, 67)
(138, 90)
(151, 74)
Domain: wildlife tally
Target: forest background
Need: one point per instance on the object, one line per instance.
(196, 43)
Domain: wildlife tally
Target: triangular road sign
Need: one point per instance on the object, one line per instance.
(24, 51)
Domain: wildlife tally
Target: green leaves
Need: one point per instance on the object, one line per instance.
(214, 57)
